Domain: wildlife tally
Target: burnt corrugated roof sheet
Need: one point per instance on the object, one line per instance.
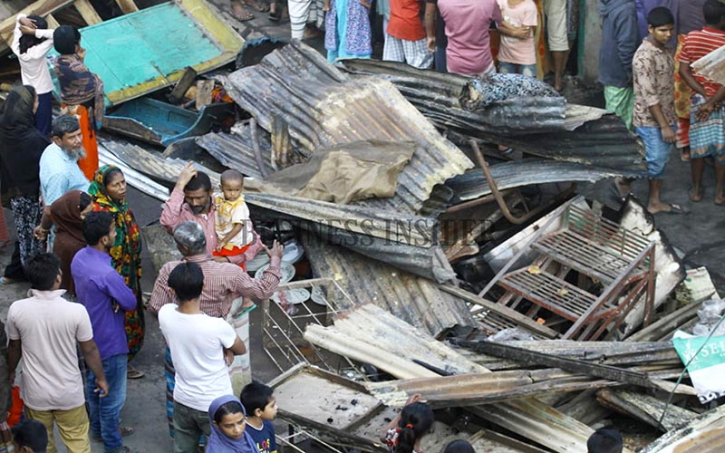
(235, 151)
(325, 108)
(473, 184)
(413, 299)
(533, 125)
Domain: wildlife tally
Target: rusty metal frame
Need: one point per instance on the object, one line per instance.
(635, 282)
(288, 326)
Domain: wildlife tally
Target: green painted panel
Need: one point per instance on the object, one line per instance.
(136, 48)
(150, 44)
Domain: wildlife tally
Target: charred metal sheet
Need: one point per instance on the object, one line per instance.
(706, 433)
(416, 300)
(326, 108)
(584, 135)
(605, 143)
(436, 95)
(645, 408)
(571, 365)
(472, 184)
(370, 335)
(151, 164)
(236, 150)
(133, 177)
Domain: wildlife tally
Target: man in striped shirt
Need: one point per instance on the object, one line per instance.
(223, 283)
(707, 114)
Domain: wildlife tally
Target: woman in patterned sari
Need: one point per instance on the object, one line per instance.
(109, 192)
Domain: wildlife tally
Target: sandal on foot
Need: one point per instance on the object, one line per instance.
(8, 281)
(695, 197)
(275, 16)
(676, 209)
(135, 374)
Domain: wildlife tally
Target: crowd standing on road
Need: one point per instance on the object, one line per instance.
(79, 246)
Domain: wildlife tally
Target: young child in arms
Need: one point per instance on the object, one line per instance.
(231, 221)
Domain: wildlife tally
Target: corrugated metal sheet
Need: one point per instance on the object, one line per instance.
(485, 388)
(436, 96)
(416, 300)
(712, 65)
(370, 335)
(605, 143)
(472, 184)
(324, 108)
(531, 125)
(236, 151)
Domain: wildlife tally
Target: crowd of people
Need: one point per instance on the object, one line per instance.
(79, 245)
(660, 95)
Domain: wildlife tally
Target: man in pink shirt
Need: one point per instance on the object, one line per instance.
(467, 28)
(190, 201)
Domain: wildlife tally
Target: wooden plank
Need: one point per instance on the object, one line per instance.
(127, 6)
(184, 83)
(87, 11)
(41, 8)
(204, 93)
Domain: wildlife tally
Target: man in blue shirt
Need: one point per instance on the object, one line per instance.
(106, 297)
(59, 170)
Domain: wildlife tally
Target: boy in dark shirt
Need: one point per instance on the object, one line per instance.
(261, 406)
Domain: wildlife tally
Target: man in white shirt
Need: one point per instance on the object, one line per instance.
(31, 42)
(44, 329)
(201, 348)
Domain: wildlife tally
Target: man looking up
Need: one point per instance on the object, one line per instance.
(106, 297)
(44, 329)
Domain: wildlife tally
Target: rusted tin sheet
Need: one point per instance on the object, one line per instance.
(536, 126)
(324, 108)
(416, 300)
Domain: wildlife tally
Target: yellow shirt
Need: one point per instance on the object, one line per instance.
(229, 213)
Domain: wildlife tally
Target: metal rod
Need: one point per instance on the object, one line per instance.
(472, 203)
(495, 192)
